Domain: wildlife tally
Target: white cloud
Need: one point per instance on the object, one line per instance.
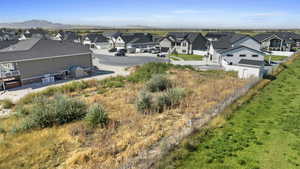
(267, 14)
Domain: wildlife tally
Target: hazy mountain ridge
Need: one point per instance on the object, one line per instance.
(43, 24)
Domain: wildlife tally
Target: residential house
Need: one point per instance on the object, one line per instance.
(184, 42)
(67, 36)
(215, 36)
(135, 41)
(96, 41)
(33, 33)
(7, 35)
(279, 41)
(112, 38)
(41, 60)
(233, 48)
(7, 43)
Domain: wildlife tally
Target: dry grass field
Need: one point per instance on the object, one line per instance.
(77, 146)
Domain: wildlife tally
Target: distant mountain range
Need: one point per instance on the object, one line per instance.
(44, 24)
(51, 25)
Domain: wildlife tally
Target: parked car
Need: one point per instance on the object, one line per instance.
(122, 50)
(120, 54)
(161, 55)
(155, 51)
(112, 50)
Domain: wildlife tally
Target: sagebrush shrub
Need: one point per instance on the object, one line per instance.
(176, 95)
(48, 112)
(162, 102)
(144, 102)
(158, 83)
(96, 116)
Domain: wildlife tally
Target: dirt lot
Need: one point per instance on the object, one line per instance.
(129, 131)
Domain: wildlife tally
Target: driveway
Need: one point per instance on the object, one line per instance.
(128, 60)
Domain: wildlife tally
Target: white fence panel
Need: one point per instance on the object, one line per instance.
(200, 52)
(245, 72)
(191, 63)
(282, 53)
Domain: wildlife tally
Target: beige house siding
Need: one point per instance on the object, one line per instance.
(36, 68)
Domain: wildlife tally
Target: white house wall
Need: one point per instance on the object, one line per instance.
(235, 59)
(245, 72)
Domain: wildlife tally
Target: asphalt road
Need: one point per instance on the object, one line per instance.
(128, 60)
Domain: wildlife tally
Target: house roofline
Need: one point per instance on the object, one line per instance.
(42, 58)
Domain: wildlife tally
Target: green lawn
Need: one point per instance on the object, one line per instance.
(275, 58)
(263, 133)
(188, 57)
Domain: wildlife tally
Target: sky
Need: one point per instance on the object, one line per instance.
(158, 13)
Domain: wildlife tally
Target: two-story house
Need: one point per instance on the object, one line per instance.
(184, 42)
(279, 41)
(135, 40)
(96, 41)
(234, 48)
(67, 36)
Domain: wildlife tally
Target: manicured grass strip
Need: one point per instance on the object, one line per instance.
(262, 133)
(275, 58)
(188, 57)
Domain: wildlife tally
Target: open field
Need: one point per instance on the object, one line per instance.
(76, 145)
(162, 32)
(261, 133)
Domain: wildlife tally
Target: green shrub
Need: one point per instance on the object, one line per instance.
(2, 131)
(96, 116)
(145, 72)
(57, 111)
(144, 102)
(114, 82)
(176, 95)
(161, 102)
(73, 86)
(158, 83)
(7, 104)
(23, 110)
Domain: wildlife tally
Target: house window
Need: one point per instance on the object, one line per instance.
(184, 44)
(242, 56)
(229, 55)
(255, 56)
(178, 44)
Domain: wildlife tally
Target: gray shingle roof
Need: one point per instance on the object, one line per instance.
(287, 36)
(44, 49)
(21, 45)
(226, 42)
(137, 38)
(238, 47)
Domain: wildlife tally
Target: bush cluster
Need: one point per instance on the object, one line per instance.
(148, 102)
(57, 111)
